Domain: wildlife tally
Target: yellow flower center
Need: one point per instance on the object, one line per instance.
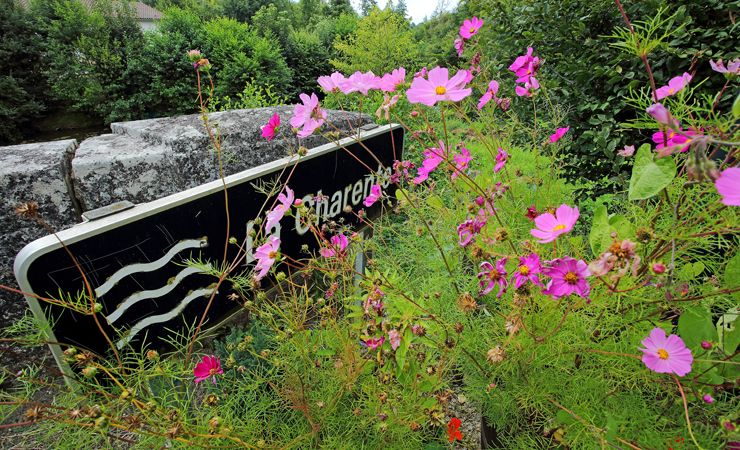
(559, 227)
(671, 91)
(571, 278)
(212, 372)
(441, 90)
(472, 29)
(524, 270)
(662, 354)
(272, 255)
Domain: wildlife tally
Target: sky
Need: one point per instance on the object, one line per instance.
(417, 9)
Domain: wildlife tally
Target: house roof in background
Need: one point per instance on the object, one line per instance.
(142, 11)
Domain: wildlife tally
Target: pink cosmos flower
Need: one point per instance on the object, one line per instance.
(462, 160)
(332, 83)
(432, 158)
(360, 82)
(528, 270)
(208, 367)
(395, 338)
(666, 354)
(338, 243)
(672, 139)
(501, 158)
(528, 89)
(559, 133)
(308, 115)
(266, 255)
(391, 81)
(470, 27)
(421, 73)
(733, 67)
(661, 114)
(268, 130)
(469, 229)
(627, 151)
(708, 399)
(487, 208)
(401, 170)
(525, 65)
(375, 194)
(459, 47)
(490, 276)
(549, 226)
(673, 86)
(567, 276)
(439, 87)
(385, 107)
(374, 343)
(728, 186)
(285, 202)
(490, 94)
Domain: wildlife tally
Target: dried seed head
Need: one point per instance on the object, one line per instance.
(27, 210)
(495, 355)
(466, 302)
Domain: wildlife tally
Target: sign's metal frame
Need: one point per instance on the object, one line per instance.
(90, 228)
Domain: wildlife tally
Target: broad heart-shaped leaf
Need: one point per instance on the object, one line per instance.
(728, 330)
(650, 175)
(603, 226)
(695, 325)
(736, 107)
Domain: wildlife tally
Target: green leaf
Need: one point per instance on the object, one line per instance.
(435, 201)
(650, 175)
(695, 325)
(736, 107)
(690, 271)
(728, 331)
(603, 226)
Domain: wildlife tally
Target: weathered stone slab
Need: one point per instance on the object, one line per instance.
(29, 173)
(148, 159)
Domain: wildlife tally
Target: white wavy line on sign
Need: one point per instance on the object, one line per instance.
(154, 293)
(150, 266)
(159, 318)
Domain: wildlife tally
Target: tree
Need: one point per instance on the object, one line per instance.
(382, 41)
(21, 82)
(401, 8)
(242, 10)
(367, 5)
(339, 7)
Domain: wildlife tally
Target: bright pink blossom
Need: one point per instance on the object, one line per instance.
(525, 66)
(470, 27)
(391, 81)
(439, 87)
(728, 186)
(395, 338)
(468, 230)
(277, 213)
(360, 82)
(708, 399)
(338, 243)
(266, 255)
(208, 367)
(528, 270)
(733, 67)
(459, 47)
(549, 226)
(374, 343)
(660, 113)
(308, 115)
(432, 158)
(672, 139)
(673, 86)
(528, 89)
(491, 275)
(489, 95)
(501, 158)
(462, 160)
(332, 83)
(375, 301)
(375, 194)
(268, 130)
(567, 276)
(663, 354)
(559, 133)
